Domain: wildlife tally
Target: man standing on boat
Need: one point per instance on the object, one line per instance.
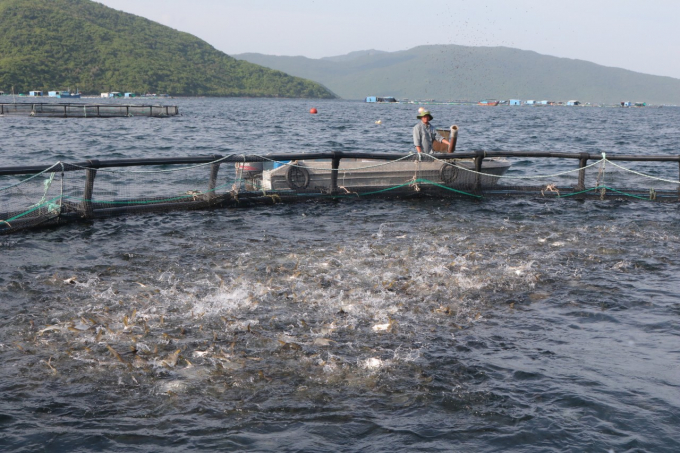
(424, 133)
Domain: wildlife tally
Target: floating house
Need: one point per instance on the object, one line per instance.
(531, 102)
(35, 93)
(380, 99)
(112, 94)
(515, 102)
(63, 94)
(130, 95)
(573, 102)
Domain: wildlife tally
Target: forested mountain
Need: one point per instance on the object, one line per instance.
(57, 44)
(451, 72)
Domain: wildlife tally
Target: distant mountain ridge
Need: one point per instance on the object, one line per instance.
(352, 55)
(452, 72)
(57, 44)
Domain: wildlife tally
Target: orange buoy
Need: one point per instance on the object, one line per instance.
(312, 111)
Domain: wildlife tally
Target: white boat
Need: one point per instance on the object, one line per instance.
(369, 175)
(361, 175)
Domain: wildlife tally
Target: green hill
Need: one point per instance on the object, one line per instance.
(56, 44)
(451, 72)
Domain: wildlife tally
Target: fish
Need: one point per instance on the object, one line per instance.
(201, 353)
(171, 360)
(381, 327)
(327, 329)
(74, 329)
(371, 363)
(172, 388)
(51, 329)
(49, 364)
(115, 354)
(389, 327)
(139, 362)
(322, 342)
(289, 346)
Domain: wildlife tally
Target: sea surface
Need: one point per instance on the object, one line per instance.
(521, 325)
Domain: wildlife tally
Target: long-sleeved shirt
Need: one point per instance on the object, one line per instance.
(424, 135)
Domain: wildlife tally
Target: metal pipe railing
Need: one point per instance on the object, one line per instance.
(190, 160)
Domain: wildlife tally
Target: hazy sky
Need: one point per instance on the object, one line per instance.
(641, 35)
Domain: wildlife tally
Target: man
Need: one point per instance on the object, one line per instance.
(424, 133)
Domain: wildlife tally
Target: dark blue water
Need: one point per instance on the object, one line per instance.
(391, 325)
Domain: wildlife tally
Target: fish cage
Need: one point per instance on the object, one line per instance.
(36, 196)
(81, 110)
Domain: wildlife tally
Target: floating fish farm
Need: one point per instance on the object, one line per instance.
(81, 110)
(39, 196)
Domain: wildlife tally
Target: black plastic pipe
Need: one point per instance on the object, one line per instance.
(189, 160)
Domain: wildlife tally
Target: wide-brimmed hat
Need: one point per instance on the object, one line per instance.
(424, 113)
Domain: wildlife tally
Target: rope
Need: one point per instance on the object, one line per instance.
(35, 208)
(291, 164)
(606, 188)
(520, 177)
(30, 177)
(409, 183)
(48, 183)
(672, 181)
(600, 173)
(158, 171)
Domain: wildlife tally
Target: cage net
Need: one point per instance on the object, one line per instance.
(86, 110)
(66, 192)
(601, 179)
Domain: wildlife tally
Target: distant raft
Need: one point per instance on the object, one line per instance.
(81, 110)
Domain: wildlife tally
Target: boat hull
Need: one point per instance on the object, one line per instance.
(367, 175)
